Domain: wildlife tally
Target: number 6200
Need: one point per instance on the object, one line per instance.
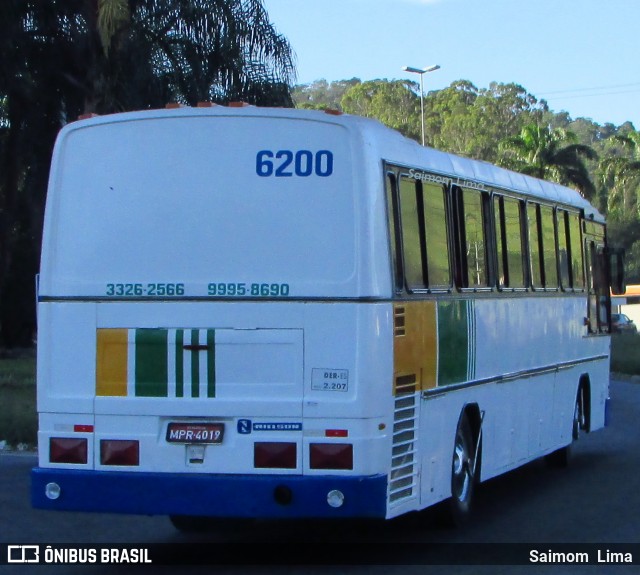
(286, 163)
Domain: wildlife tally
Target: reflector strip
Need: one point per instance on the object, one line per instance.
(336, 433)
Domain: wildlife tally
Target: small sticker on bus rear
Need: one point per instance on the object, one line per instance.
(324, 379)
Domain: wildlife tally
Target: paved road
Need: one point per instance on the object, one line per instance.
(595, 500)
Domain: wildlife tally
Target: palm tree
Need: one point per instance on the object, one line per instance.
(62, 58)
(620, 177)
(630, 141)
(549, 154)
(140, 53)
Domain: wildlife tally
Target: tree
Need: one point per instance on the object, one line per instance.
(322, 95)
(393, 102)
(501, 111)
(62, 58)
(448, 117)
(551, 155)
(470, 121)
(620, 177)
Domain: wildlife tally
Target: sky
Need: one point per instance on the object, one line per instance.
(582, 56)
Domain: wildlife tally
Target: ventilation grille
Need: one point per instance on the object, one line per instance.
(399, 321)
(403, 476)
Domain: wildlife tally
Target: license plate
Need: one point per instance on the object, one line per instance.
(195, 432)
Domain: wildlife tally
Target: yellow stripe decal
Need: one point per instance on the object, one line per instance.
(416, 342)
(111, 362)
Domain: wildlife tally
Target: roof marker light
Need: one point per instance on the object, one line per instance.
(205, 104)
(238, 105)
(333, 112)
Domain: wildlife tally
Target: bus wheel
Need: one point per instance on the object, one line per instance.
(462, 474)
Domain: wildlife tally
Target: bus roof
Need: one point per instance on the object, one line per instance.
(391, 146)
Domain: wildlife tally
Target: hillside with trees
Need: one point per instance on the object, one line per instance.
(64, 59)
(506, 125)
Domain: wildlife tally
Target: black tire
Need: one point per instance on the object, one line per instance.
(463, 475)
(579, 420)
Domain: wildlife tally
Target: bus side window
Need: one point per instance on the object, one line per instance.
(562, 222)
(534, 246)
(412, 235)
(509, 243)
(472, 240)
(501, 242)
(437, 243)
(577, 260)
(392, 211)
(549, 248)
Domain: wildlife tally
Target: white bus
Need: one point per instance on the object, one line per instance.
(272, 313)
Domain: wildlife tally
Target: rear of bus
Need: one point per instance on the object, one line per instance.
(212, 338)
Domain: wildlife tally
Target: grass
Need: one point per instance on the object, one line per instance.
(18, 417)
(625, 356)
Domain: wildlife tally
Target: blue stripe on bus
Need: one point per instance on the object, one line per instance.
(208, 495)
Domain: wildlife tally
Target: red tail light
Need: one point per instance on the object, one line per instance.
(331, 456)
(67, 450)
(119, 452)
(268, 455)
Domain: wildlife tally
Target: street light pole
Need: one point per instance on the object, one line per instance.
(421, 72)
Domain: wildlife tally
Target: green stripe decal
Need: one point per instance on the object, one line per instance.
(456, 341)
(151, 363)
(211, 363)
(179, 363)
(471, 343)
(160, 366)
(195, 365)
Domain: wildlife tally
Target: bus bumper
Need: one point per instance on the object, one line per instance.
(255, 496)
